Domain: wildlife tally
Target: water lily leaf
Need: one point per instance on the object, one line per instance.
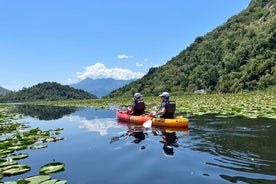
(62, 182)
(5, 152)
(15, 169)
(19, 156)
(10, 182)
(57, 129)
(18, 147)
(51, 168)
(38, 179)
(38, 146)
(53, 181)
(6, 162)
(50, 139)
(59, 138)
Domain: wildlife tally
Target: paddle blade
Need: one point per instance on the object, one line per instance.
(147, 124)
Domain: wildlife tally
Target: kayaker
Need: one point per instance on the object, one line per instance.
(138, 106)
(167, 107)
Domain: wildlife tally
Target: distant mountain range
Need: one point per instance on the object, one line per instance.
(100, 87)
(4, 91)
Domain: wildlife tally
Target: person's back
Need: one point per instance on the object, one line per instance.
(138, 106)
(170, 109)
(167, 107)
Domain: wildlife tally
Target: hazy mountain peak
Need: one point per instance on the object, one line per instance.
(100, 87)
(4, 91)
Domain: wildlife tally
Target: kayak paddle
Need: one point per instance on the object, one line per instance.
(148, 123)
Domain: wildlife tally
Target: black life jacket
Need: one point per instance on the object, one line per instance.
(170, 109)
(139, 107)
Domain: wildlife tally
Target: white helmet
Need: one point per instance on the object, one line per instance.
(137, 95)
(165, 94)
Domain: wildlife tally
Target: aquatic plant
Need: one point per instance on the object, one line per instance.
(251, 105)
(16, 136)
(51, 168)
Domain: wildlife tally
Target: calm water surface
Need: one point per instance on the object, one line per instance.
(99, 149)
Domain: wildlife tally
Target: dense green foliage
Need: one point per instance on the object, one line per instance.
(236, 56)
(46, 91)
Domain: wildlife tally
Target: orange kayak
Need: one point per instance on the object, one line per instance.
(175, 122)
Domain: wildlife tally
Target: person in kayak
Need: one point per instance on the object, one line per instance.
(138, 106)
(167, 107)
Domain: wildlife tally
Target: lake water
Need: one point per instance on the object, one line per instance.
(99, 149)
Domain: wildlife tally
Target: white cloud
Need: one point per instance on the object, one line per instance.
(123, 56)
(139, 64)
(154, 66)
(100, 71)
(69, 81)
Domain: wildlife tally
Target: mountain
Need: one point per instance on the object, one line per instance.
(100, 87)
(4, 91)
(46, 91)
(236, 56)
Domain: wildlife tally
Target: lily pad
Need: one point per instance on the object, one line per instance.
(18, 147)
(50, 139)
(62, 182)
(51, 168)
(19, 156)
(6, 162)
(53, 181)
(15, 169)
(38, 179)
(5, 152)
(38, 146)
(10, 182)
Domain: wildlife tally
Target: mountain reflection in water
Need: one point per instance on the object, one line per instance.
(43, 112)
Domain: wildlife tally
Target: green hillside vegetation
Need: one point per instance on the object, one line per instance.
(235, 57)
(50, 91)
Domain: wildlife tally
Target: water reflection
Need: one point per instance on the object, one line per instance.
(168, 136)
(137, 132)
(169, 140)
(95, 120)
(97, 125)
(139, 135)
(212, 150)
(238, 144)
(44, 112)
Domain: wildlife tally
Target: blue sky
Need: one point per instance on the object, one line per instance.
(68, 40)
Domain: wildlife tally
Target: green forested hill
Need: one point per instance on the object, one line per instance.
(46, 91)
(239, 55)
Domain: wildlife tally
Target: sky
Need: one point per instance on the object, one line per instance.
(66, 41)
